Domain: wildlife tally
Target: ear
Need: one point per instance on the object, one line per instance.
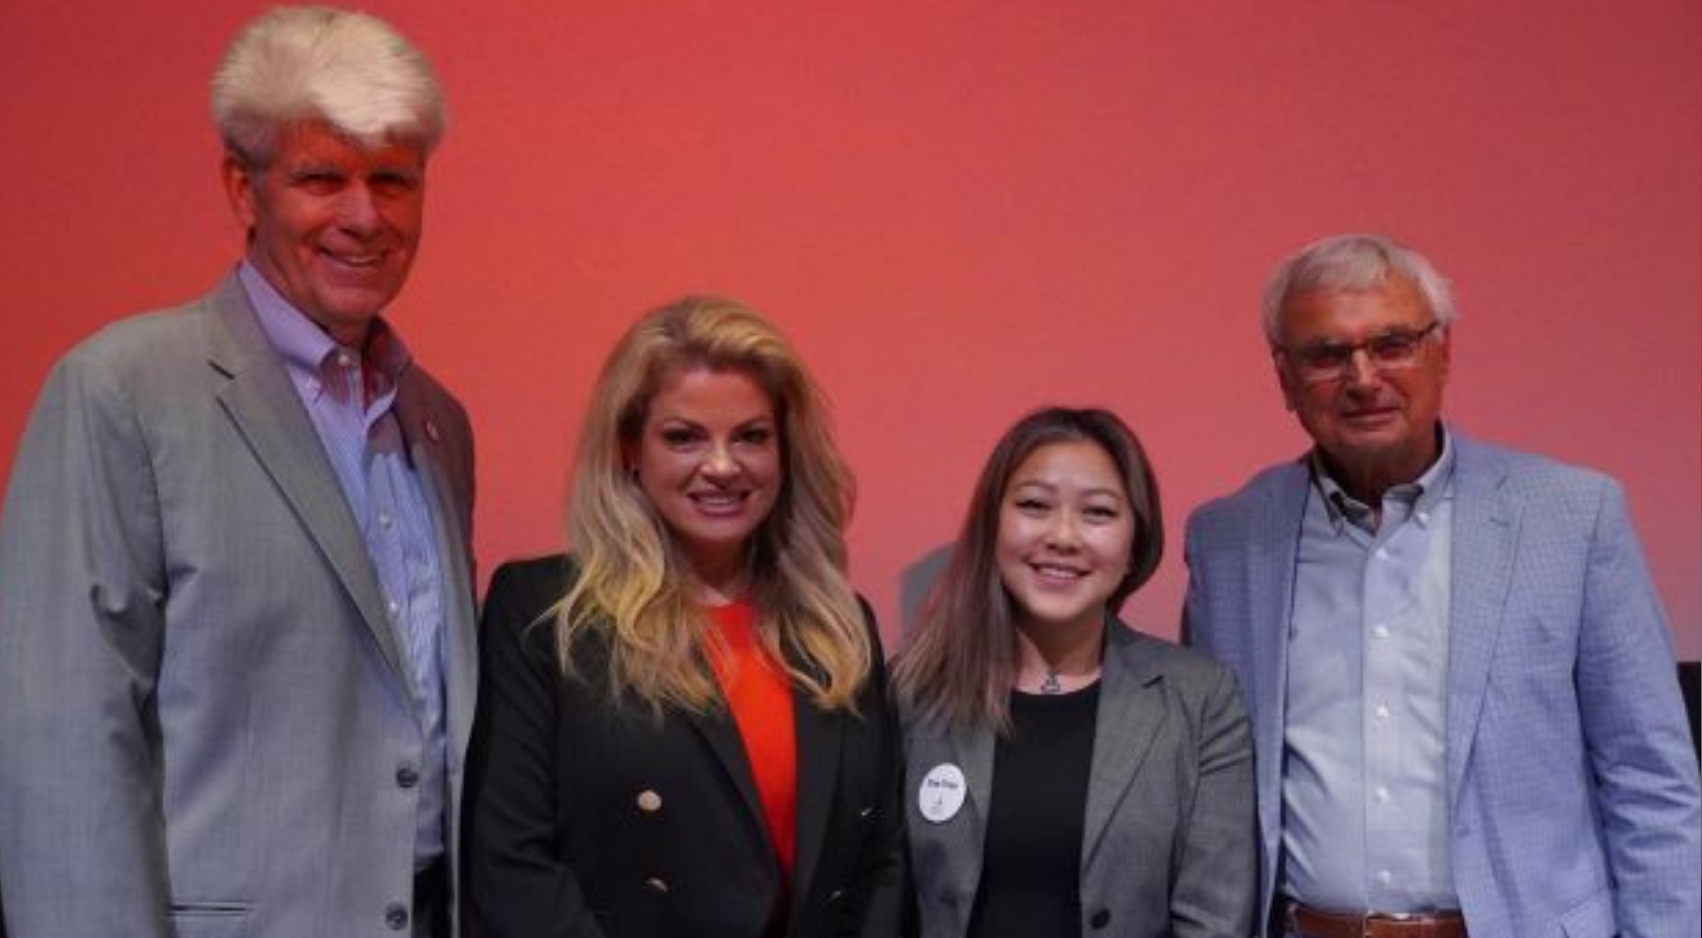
(239, 189)
(1285, 382)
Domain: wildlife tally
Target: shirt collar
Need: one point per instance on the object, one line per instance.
(308, 350)
(1422, 494)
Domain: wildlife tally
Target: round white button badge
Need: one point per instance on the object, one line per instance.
(941, 793)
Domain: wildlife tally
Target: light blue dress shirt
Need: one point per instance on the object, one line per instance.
(350, 403)
(1364, 788)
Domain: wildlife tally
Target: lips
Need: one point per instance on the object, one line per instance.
(719, 504)
(1056, 573)
(1371, 415)
(357, 261)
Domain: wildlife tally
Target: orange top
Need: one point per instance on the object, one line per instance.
(760, 699)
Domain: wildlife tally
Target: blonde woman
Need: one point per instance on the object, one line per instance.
(684, 729)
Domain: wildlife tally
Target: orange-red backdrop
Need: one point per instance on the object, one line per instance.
(958, 210)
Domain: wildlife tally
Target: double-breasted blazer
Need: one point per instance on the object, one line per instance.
(206, 724)
(1168, 845)
(1571, 784)
(593, 818)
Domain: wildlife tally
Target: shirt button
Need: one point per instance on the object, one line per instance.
(384, 520)
(393, 606)
(1381, 631)
(1383, 795)
(657, 885)
(396, 916)
(1100, 918)
(345, 359)
(649, 802)
(407, 776)
(1382, 553)
(1382, 712)
(1385, 877)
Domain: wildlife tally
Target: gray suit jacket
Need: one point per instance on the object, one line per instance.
(205, 717)
(1572, 788)
(1168, 846)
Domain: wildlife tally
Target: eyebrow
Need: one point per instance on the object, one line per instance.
(1395, 329)
(761, 419)
(1053, 487)
(314, 168)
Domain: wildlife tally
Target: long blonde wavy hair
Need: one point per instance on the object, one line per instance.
(631, 588)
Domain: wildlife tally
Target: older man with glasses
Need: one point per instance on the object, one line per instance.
(1461, 680)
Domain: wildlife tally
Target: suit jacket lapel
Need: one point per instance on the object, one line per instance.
(963, 835)
(1270, 587)
(721, 734)
(263, 404)
(818, 741)
(1485, 530)
(972, 751)
(422, 427)
(819, 751)
(1129, 717)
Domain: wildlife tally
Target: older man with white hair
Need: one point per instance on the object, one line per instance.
(237, 658)
(1458, 670)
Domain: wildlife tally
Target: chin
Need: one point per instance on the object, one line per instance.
(1056, 617)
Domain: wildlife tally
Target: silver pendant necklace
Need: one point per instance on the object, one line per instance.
(1050, 683)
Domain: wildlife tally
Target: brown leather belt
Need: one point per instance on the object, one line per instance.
(1318, 923)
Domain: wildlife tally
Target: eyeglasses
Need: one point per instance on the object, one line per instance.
(1387, 351)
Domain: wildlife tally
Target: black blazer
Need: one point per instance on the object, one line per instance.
(588, 818)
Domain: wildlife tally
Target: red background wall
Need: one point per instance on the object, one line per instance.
(958, 210)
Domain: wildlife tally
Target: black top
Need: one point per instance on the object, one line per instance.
(1031, 872)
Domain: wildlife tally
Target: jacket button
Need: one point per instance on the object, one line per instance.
(407, 776)
(396, 916)
(835, 897)
(649, 802)
(657, 885)
(1100, 919)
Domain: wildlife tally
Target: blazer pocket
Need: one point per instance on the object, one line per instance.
(1592, 918)
(210, 919)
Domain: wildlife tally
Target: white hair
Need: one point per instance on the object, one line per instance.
(350, 70)
(1353, 262)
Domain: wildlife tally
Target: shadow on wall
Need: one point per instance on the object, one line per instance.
(913, 588)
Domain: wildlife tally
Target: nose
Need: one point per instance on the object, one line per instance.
(718, 463)
(1361, 370)
(1064, 531)
(357, 210)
